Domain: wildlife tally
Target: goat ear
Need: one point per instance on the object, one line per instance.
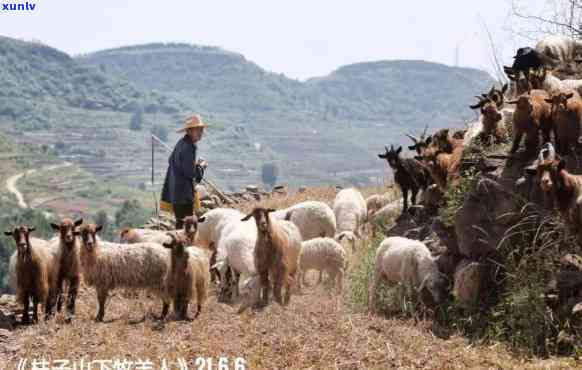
(8, 233)
(568, 96)
(504, 88)
(98, 228)
(418, 158)
(428, 140)
(383, 156)
(550, 101)
(55, 226)
(202, 219)
(79, 222)
(412, 147)
(340, 237)
(512, 102)
(31, 229)
(475, 106)
(398, 150)
(247, 217)
(270, 210)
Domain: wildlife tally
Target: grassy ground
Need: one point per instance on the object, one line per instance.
(318, 330)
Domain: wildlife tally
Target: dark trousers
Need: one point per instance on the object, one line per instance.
(181, 211)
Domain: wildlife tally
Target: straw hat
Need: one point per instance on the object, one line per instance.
(193, 122)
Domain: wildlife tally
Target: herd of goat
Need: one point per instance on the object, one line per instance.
(274, 248)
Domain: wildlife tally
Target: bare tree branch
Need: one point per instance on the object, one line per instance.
(566, 18)
(497, 67)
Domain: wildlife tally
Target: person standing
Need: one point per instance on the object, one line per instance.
(184, 170)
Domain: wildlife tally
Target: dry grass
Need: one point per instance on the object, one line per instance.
(316, 331)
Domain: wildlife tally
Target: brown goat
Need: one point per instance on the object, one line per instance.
(566, 113)
(33, 271)
(490, 120)
(532, 115)
(69, 265)
(276, 254)
(188, 275)
(565, 189)
(444, 168)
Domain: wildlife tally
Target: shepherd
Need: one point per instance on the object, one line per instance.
(178, 194)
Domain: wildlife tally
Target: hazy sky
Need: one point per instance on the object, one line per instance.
(299, 38)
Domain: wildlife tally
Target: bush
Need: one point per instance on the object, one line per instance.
(131, 214)
(455, 196)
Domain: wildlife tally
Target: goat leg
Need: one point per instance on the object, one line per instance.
(405, 199)
(102, 298)
(72, 295)
(516, 141)
(34, 309)
(25, 315)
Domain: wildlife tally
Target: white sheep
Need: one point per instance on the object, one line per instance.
(188, 275)
(323, 254)
(107, 266)
(553, 85)
(133, 235)
(314, 219)
(559, 47)
(350, 211)
(376, 202)
(407, 261)
(234, 241)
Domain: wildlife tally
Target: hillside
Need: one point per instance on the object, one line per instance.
(326, 130)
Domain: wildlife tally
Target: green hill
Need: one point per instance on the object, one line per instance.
(325, 130)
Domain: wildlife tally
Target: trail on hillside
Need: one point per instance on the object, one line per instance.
(11, 182)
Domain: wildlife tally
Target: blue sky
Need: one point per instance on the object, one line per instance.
(299, 38)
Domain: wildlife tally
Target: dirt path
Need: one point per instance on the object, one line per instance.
(11, 182)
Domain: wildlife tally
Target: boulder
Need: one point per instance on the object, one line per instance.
(252, 188)
(7, 319)
(469, 280)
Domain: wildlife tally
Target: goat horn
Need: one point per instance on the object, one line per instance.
(424, 132)
(415, 140)
(385, 147)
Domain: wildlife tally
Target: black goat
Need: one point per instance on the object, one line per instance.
(409, 174)
(526, 60)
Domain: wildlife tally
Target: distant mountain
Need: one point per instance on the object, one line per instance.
(34, 73)
(406, 93)
(326, 130)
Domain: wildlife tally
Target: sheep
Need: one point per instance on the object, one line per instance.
(33, 270)
(562, 186)
(560, 48)
(108, 266)
(350, 211)
(375, 202)
(532, 114)
(188, 276)
(491, 120)
(314, 219)
(69, 269)
(407, 261)
(347, 240)
(409, 174)
(566, 113)
(131, 236)
(233, 243)
(276, 254)
(323, 254)
(545, 80)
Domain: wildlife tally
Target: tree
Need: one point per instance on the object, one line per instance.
(131, 214)
(270, 173)
(136, 120)
(556, 17)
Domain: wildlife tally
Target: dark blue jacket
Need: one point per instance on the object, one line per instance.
(178, 186)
